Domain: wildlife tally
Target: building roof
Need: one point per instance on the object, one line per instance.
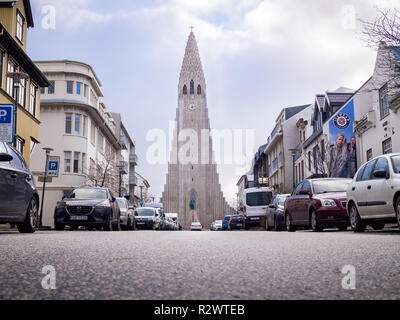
(292, 111)
(28, 9)
(23, 60)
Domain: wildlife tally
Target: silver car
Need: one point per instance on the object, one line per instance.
(19, 200)
(127, 214)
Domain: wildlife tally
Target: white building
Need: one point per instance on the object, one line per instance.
(80, 129)
(141, 191)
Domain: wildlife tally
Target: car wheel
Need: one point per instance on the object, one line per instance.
(277, 228)
(59, 227)
(108, 225)
(355, 220)
(117, 226)
(314, 222)
(289, 226)
(29, 225)
(398, 211)
(378, 226)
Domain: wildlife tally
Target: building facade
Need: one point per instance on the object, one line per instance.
(79, 129)
(15, 19)
(192, 188)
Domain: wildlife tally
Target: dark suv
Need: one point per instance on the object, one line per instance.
(19, 200)
(88, 206)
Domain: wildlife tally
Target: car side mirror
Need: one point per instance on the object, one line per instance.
(113, 199)
(5, 157)
(136, 214)
(304, 192)
(63, 198)
(272, 206)
(381, 174)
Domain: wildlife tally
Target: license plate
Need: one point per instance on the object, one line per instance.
(255, 219)
(139, 222)
(79, 218)
(239, 225)
(331, 217)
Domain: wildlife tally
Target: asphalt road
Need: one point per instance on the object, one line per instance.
(200, 265)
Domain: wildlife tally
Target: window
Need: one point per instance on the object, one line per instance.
(70, 87)
(368, 171)
(85, 87)
(42, 90)
(78, 88)
(20, 144)
(84, 125)
(52, 87)
(383, 101)
(77, 124)
(1, 67)
(100, 143)
(20, 26)
(306, 186)
(256, 199)
(92, 168)
(369, 155)
(323, 150)
(382, 164)
(280, 158)
(297, 190)
(67, 161)
(92, 133)
(309, 161)
(68, 123)
(17, 160)
(387, 146)
(22, 92)
(184, 89)
(316, 158)
(76, 162)
(198, 89)
(83, 166)
(191, 87)
(32, 99)
(11, 67)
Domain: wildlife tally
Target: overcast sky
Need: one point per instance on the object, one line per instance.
(258, 57)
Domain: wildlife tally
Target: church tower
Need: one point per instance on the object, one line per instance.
(192, 188)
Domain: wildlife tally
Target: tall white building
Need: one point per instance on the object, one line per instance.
(80, 129)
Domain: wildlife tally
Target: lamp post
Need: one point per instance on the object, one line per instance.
(47, 150)
(17, 77)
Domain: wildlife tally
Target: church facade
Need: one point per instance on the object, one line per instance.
(192, 187)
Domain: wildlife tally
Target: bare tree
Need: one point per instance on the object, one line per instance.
(384, 33)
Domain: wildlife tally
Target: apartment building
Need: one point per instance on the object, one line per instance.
(77, 125)
(23, 86)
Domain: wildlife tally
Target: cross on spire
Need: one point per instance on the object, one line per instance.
(191, 28)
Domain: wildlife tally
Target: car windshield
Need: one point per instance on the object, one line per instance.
(89, 194)
(122, 204)
(256, 199)
(330, 186)
(281, 201)
(396, 164)
(237, 218)
(145, 212)
(218, 222)
(196, 224)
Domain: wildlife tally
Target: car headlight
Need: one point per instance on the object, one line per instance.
(328, 203)
(104, 204)
(124, 212)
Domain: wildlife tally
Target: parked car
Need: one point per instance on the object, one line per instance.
(170, 224)
(127, 214)
(91, 207)
(256, 202)
(175, 219)
(216, 225)
(318, 204)
(148, 218)
(374, 194)
(19, 200)
(276, 213)
(236, 223)
(225, 222)
(196, 226)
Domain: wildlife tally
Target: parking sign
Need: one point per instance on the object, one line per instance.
(53, 167)
(6, 123)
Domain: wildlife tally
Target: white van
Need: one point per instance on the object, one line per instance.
(256, 203)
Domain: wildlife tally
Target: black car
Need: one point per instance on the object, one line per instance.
(236, 222)
(91, 207)
(19, 199)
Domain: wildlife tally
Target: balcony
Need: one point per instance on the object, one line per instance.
(366, 122)
(133, 180)
(123, 167)
(133, 159)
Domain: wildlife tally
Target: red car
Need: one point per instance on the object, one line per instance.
(318, 204)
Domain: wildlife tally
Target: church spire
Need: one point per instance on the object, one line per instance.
(191, 66)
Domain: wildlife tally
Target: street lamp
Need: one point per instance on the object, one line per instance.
(17, 77)
(47, 150)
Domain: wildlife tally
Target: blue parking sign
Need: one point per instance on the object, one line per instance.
(53, 167)
(6, 123)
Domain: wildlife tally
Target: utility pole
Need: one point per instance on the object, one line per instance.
(48, 150)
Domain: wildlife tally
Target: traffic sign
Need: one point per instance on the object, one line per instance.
(6, 123)
(54, 167)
